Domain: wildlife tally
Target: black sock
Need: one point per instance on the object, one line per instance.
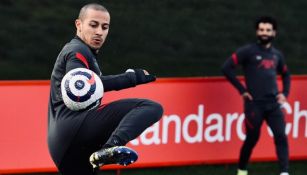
(114, 141)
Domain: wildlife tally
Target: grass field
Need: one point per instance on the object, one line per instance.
(259, 168)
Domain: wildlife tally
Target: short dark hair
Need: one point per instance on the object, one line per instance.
(266, 19)
(94, 6)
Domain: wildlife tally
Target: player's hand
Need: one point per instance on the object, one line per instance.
(281, 98)
(142, 76)
(247, 96)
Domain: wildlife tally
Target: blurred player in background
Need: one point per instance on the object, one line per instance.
(81, 141)
(261, 62)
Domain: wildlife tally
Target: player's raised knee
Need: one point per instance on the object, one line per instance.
(156, 108)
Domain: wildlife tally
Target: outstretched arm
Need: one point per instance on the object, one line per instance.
(131, 78)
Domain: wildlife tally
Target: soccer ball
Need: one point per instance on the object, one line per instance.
(81, 88)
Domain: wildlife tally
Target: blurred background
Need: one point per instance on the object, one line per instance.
(169, 38)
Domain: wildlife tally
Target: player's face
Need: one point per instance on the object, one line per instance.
(94, 27)
(265, 33)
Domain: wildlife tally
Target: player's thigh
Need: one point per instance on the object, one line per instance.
(253, 116)
(276, 121)
(101, 122)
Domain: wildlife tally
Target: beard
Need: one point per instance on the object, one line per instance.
(265, 41)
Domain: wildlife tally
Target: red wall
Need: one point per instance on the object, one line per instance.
(202, 123)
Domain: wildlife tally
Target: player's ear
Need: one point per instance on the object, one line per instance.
(256, 32)
(78, 25)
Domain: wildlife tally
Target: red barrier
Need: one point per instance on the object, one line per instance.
(202, 123)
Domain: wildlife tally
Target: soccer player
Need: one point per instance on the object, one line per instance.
(81, 141)
(261, 62)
